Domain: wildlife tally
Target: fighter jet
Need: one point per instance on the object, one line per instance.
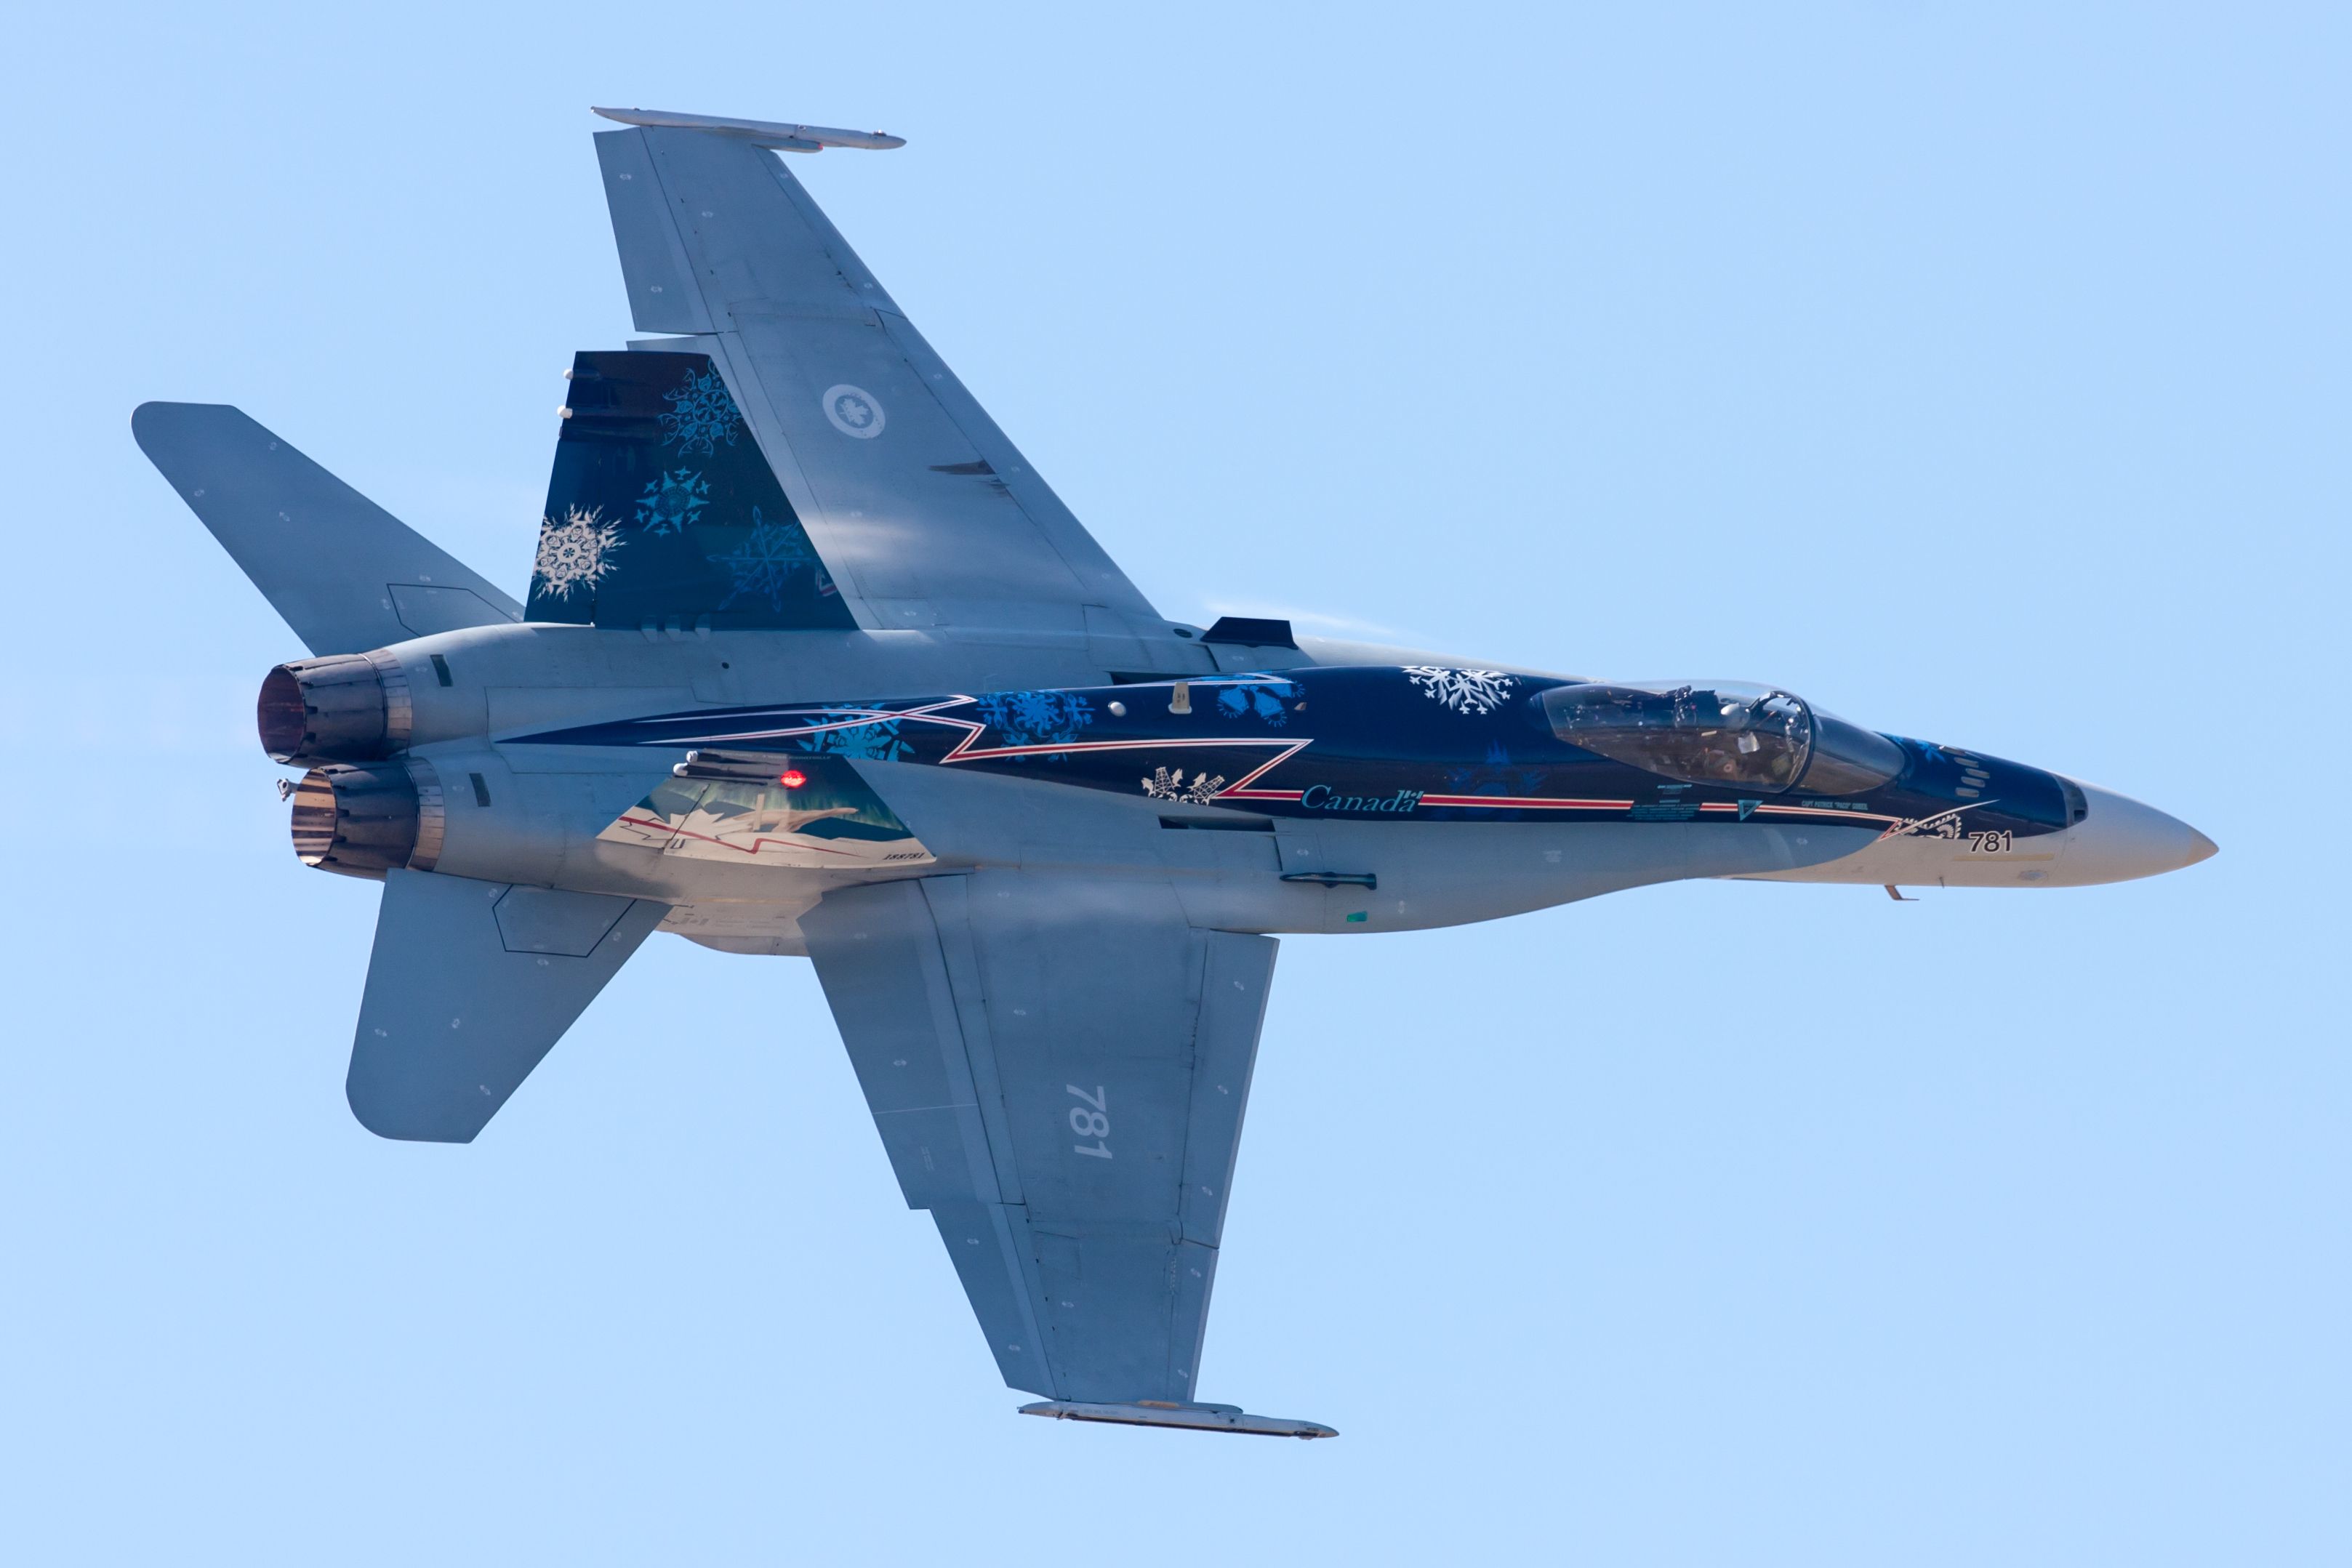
(813, 663)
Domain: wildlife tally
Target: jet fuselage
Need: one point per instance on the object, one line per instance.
(1351, 797)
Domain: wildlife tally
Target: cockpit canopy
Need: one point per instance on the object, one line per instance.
(1731, 733)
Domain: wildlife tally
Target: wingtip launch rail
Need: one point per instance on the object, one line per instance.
(760, 132)
(1189, 1418)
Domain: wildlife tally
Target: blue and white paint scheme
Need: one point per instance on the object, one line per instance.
(813, 664)
(1370, 744)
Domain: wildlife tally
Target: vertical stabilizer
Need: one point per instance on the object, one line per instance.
(662, 511)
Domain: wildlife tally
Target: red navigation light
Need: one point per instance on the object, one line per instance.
(791, 779)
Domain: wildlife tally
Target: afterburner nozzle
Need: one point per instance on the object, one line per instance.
(346, 707)
(364, 821)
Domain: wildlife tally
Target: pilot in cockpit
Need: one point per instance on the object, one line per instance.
(1729, 733)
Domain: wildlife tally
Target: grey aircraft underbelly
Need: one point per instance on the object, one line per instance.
(814, 664)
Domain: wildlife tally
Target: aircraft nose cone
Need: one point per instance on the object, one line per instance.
(2120, 838)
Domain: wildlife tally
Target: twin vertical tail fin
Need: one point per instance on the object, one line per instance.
(663, 512)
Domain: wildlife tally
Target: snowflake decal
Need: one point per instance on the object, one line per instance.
(1036, 718)
(574, 553)
(1165, 785)
(701, 414)
(672, 501)
(763, 563)
(1262, 700)
(878, 742)
(1463, 691)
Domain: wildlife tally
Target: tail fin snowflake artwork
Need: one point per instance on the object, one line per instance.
(764, 563)
(701, 414)
(672, 502)
(574, 553)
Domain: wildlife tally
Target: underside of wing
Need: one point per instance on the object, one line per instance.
(1058, 1070)
(921, 509)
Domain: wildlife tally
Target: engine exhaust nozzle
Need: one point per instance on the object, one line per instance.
(346, 707)
(364, 821)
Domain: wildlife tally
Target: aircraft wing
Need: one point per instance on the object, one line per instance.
(1058, 1069)
(923, 511)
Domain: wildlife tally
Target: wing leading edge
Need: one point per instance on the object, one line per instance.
(1058, 1070)
(925, 513)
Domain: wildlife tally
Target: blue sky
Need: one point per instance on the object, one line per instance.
(1981, 376)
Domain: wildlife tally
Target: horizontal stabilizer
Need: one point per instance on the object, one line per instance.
(346, 574)
(471, 984)
(1193, 1417)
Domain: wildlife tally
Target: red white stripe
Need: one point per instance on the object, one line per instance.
(1526, 803)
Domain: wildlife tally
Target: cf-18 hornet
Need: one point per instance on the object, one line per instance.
(813, 663)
